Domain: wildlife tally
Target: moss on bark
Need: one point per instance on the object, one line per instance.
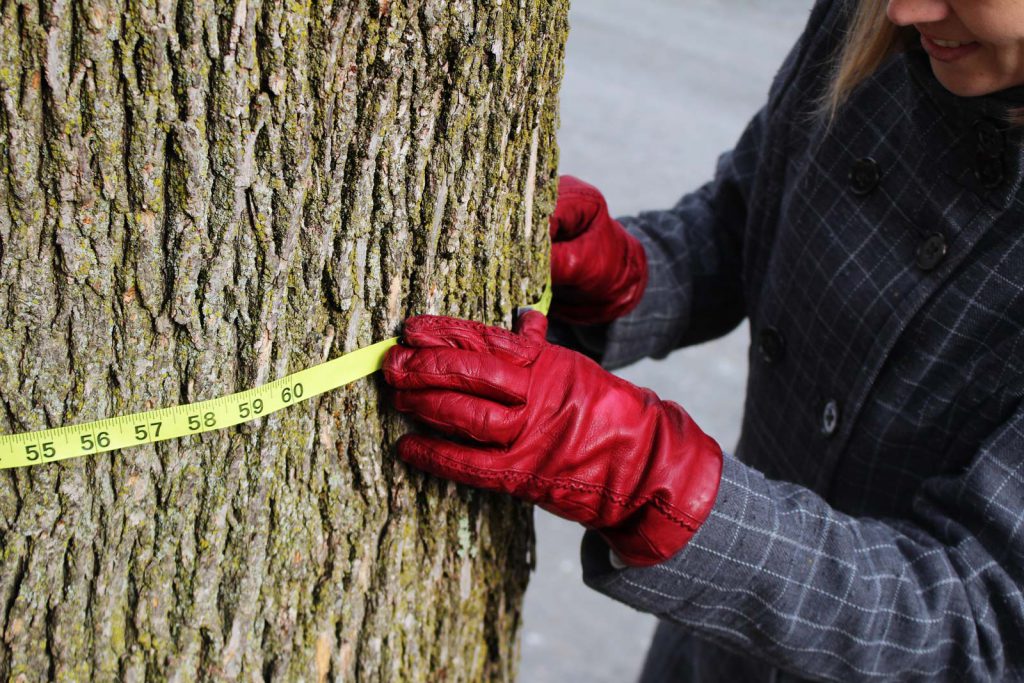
(199, 196)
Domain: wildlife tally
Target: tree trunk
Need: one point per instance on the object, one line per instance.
(199, 197)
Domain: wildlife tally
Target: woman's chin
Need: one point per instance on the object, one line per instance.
(966, 84)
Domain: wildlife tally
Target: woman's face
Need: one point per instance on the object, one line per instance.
(976, 46)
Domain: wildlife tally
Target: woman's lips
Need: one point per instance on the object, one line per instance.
(944, 53)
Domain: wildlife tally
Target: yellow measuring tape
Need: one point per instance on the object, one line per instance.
(88, 438)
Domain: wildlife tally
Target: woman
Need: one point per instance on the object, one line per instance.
(869, 225)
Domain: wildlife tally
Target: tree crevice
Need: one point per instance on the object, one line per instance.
(204, 196)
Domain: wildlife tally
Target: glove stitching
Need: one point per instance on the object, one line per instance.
(668, 510)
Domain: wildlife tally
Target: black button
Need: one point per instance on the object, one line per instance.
(931, 252)
(864, 175)
(989, 171)
(771, 345)
(989, 138)
(830, 418)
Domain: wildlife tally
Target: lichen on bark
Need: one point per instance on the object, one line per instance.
(199, 196)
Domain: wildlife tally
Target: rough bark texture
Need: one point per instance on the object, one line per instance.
(199, 196)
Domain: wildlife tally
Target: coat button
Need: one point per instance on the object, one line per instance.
(830, 418)
(864, 175)
(771, 345)
(931, 252)
(989, 171)
(989, 138)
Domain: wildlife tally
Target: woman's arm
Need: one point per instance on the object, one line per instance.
(777, 573)
(695, 250)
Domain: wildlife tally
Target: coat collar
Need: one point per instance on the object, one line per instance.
(989, 151)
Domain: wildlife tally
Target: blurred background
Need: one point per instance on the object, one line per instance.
(654, 91)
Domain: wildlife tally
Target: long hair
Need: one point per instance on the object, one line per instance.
(870, 38)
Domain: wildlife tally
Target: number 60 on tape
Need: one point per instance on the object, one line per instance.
(62, 443)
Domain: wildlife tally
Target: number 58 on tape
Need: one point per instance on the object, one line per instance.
(62, 443)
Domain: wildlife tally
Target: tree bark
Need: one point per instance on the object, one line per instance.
(199, 197)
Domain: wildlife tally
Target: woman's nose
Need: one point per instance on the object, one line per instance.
(908, 12)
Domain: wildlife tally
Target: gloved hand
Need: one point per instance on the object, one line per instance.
(598, 270)
(549, 425)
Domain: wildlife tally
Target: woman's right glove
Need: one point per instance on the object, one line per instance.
(598, 270)
(548, 425)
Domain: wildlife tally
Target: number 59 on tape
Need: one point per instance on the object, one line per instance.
(62, 443)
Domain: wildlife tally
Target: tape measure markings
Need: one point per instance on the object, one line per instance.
(162, 424)
(189, 419)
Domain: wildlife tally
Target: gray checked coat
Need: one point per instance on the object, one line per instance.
(871, 523)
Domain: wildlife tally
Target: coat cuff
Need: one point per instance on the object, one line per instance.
(708, 560)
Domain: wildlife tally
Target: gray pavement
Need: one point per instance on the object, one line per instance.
(654, 91)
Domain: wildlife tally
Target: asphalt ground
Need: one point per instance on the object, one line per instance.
(654, 91)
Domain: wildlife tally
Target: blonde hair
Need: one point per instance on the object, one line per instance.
(871, 38)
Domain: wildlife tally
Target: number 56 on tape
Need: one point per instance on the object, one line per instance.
(62, 443)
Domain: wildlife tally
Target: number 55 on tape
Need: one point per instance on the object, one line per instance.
(62, 443)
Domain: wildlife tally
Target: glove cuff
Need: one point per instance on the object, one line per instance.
(687, 464)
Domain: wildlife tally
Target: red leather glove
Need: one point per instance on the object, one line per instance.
(549, 425)
(598, 270)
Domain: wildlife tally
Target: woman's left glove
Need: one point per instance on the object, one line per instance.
(549, 425)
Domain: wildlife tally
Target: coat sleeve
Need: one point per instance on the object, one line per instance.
(695, 249)
(779, 574)
(694, 291)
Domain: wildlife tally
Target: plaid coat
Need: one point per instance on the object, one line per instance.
(871, 523)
